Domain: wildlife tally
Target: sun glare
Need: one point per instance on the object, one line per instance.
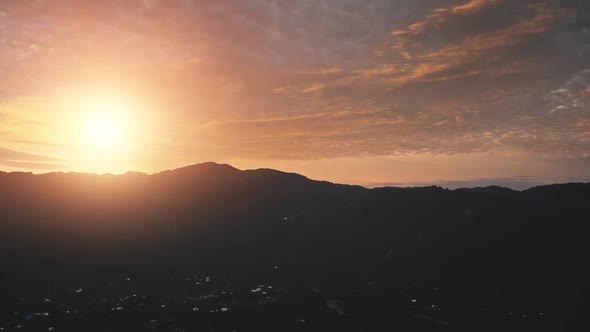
(104, 131)
(106, 124)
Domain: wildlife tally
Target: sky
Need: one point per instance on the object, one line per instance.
(455, 93)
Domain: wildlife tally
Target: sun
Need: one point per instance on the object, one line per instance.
(104, 131)
(107, 125)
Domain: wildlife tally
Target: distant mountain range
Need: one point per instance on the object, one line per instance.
(189, 202)
(532, 246)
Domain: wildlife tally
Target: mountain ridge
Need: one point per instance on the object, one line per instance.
(210, 168)
(488, 245)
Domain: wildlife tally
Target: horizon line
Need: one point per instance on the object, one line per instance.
(444, 184)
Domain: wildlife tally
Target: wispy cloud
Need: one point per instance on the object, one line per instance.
(20, 159)
(318, 79)
(472, 6)
(474, 52)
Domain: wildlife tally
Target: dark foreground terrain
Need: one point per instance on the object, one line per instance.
(212, 248)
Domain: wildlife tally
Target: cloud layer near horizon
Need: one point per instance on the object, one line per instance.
(307, 80)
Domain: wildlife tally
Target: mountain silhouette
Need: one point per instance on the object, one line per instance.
(494, 248)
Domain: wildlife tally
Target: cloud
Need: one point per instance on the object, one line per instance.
(472, 6)
(19, 159)
(471, 54)
(322, 79)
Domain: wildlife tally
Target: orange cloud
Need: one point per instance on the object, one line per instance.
(386, 69)
(472, 6)
(472, 51)
(474, 46)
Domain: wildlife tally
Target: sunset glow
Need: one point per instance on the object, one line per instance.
(105, 124)
(294, 165)
(368, 94)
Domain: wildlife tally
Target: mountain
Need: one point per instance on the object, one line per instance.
(489, 190)
(484, 252)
